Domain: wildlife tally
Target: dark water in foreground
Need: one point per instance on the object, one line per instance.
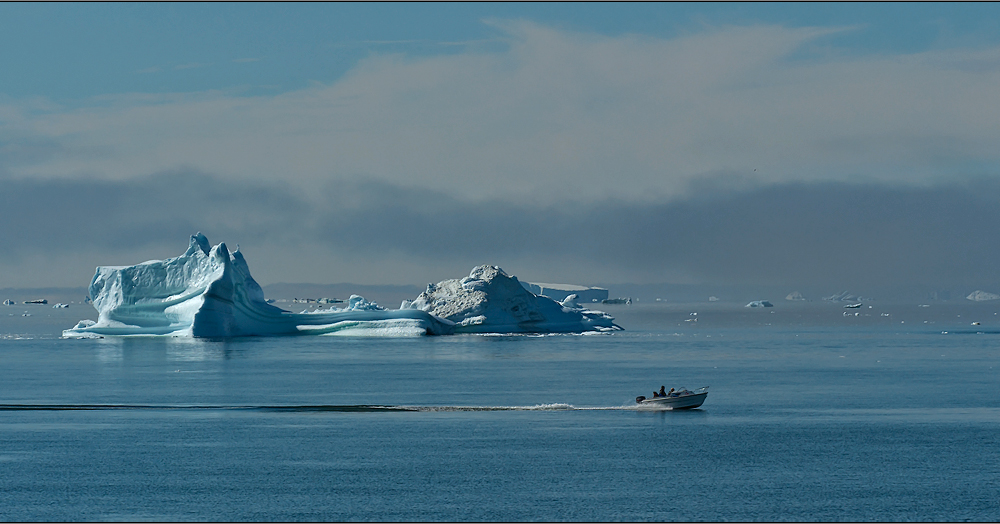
(810, 416)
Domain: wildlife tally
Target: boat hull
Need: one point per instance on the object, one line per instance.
(686, 402)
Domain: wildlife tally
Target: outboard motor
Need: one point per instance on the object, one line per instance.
(639, 399)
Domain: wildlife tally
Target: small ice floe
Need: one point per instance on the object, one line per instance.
(60, 306)
(759, 303)
(853, 306)
(8, 302)
(975, 323)
(37, 301)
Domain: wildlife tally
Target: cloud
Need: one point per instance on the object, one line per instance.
(811, 236)
(564, 115)
(65, 216)
(797, 234)
(732, 155)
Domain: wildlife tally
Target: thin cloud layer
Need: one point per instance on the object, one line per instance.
(562, 115)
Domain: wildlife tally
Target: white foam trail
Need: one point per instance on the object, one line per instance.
(537, 407)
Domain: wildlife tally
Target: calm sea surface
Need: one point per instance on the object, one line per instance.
(893, 414)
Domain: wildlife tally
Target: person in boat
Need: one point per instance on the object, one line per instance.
(671, 393)
(656, 395)
(663, 393)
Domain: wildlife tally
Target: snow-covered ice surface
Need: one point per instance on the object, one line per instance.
(490, 301)
(208, 292)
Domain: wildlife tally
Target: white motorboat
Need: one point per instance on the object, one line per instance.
(680, 399)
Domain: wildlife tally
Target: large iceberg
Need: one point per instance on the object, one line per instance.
(208, 292)
(490, 301)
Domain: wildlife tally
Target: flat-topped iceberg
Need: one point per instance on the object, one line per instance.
(490, 301)
(208, 292)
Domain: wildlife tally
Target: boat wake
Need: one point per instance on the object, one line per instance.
(349, 408)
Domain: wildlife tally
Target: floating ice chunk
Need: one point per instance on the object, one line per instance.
(490, 301)
(358, 303)
(570, 301)
(759, 303)
(208, 292)
(355, 303)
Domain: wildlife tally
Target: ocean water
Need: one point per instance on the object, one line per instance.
(893, 414)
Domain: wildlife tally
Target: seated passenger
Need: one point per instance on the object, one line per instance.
(662, 392)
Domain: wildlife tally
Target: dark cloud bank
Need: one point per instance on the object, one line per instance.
(817, 238)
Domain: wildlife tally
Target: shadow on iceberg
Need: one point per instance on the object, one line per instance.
(208, 292)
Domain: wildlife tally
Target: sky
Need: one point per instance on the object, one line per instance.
(832, 145)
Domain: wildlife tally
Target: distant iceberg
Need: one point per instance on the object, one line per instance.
(759, 303)
(491, 301)
(208, 292)
(982, 296)
(558, 291)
